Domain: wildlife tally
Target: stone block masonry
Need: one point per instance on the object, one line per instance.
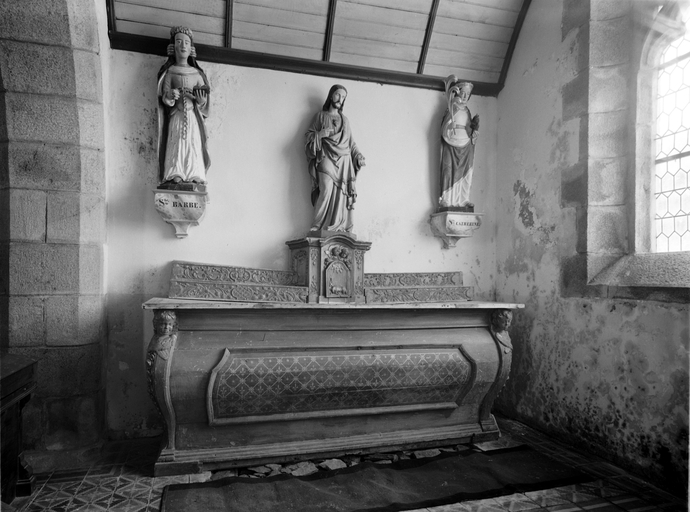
(51, 240)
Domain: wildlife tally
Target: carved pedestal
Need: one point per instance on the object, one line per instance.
(242, 384)
(451, 226)
(332, 267)
(181, 209)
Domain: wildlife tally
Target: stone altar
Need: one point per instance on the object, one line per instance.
(247, 383)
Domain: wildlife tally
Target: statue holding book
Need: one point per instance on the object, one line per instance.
(183, 105)
(459, 131)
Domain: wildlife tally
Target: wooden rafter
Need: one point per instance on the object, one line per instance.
(328, 40)
(229, 4)
(110, 9)
(427, 36)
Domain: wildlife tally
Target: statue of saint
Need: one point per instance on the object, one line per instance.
(334, 162)
(183, 104)
(459, 132)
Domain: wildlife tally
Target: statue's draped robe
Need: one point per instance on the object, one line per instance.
(182, 151)
(332, 165)
(457, 158)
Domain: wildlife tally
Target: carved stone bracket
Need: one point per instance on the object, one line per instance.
(181, 209)
(452, 226)
(500, 322)
(158, 362)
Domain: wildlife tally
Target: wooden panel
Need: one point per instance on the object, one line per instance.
(450, 26)
(380, 49)
(277, 35)
(280, 18)
(507, 5)
(464, 60)
(420, 6)
(141, 29)
(321, 319)
(476, 13)
(468, 45)
(374, 62)
(359, 29)
(381, 16)
(472, 75)
(316, 7)
(215, 341)
(277, 49)
(215, 8)
(167, 18)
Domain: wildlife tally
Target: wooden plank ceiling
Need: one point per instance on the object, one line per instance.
(405, 42)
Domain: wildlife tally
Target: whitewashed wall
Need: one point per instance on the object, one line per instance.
(259, 194)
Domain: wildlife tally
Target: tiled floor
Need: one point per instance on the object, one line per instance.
(121, 480)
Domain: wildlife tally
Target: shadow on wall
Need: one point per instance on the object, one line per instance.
(298, 192)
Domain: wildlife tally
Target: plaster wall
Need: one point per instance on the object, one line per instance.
(259, 195)
(610, 375)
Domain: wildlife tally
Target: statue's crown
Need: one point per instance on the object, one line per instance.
(181, 30)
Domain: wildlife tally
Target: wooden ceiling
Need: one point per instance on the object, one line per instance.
(404, 42)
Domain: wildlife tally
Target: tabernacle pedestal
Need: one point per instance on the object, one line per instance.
(331, 265)
(241, 384)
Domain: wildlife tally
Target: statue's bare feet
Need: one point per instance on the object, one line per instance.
(177, 179)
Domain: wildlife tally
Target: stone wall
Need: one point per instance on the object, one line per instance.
(602, 363)
(53, 223)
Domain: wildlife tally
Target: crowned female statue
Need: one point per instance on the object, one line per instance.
(183, 104)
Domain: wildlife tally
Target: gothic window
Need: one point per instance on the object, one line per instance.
(672, 149)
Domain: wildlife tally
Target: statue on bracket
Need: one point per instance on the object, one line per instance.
(183, 159)
(455, 218)
(334, 162)
(459, 131)
(183, 104)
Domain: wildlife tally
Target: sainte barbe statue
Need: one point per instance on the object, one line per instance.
(183, 104)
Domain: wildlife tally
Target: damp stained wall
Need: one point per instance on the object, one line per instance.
(259, 195)
(609, 375)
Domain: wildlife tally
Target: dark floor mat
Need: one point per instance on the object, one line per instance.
(404, 485)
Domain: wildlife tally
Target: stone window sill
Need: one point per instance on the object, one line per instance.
(658, 270)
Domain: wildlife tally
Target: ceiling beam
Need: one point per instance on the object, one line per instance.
(158, 46)
(229, 8)
(328, 39)
(110, 11)
(427, 36)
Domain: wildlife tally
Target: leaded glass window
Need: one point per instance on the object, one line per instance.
(672, 161)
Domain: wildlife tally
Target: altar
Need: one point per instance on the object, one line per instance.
(248, 383)
(250, 366)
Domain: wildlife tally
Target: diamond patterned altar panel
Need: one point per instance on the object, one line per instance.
(275, 383)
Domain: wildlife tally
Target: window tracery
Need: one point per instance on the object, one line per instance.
(672, 148)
